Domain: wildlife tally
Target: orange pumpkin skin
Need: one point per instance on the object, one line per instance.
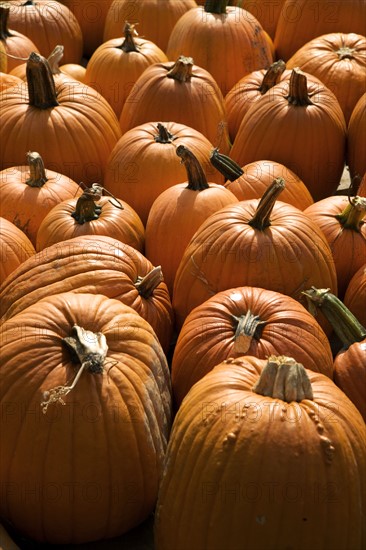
(347, 243)
(267, 13)
(113, 71)
(356, 151)
(47, 23)
(214, 40)
(355, 296)
(119, 415)
(97, 264)
(301, 21)
(211, 333)
(26, 206)
(254, 460)
(14, 43)
(3, 59)
(196, 102)
(361, 191)
(144, 163)
(259, 175)
(155, 19)
(74, 137)
(339, 61)
(121, 224)
(74, 70)
(8, 80)
(15, 248)
(315, 141)
(289, 256)
(350, 371)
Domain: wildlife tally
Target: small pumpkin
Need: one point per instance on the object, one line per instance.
(15, 248)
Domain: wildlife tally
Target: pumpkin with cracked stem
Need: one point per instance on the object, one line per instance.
(104, 363)
(251, 446)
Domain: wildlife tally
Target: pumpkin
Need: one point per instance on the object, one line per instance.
(16, 45)
(261, 452)
(355, 296)
(71, 126)
(339, 61)
(361, 189)
(349, 362)
(99, 265)
(103, 362)
(267, 13)
(301, 21)
(248, 89)
(246, 321)
(177, 213)
(47, 23)
(74, 70)
(143, 163)
(115, 66)
(264, 243)
(91, 17)
(181, 92)
(3, 58)
(15, 248)
(91, 214)
(342, 220)
(308, 117)
(356, 152)
(155, 19)
(8, 80)
(29, 191)
(227, 41)
(251, 181)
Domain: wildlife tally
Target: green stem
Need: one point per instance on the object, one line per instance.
(196, 177)
(352, 216)
(348, 329)
(261, 218)
(37, 172)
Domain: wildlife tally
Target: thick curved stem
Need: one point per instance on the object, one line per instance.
(4, 18)
(146, 285)
(37, 172)
(353, 215)
(272, 76)
(86, 210)
(298, 91)
(225, 165)
(197, 180)
(182, 69)
(41, 86)
(261, 219)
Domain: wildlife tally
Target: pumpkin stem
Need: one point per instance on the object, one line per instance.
(261, 218)
(182, 69)
(298, 89)
(215, 6)
(345, 52)
(283, 378)
(41, 86)
(249, 326)
(272, 76)
(346, 326)
(54, 59)
(227, 166)
(197, 180)
(146, 285)
(352, 216)
(4, 18)
(90, 350)
(129, 45)
(86, 210)
(37, 172)
(164, 136)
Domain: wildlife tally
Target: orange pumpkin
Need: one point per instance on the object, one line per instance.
(311, 124)
(115, 66)
(15, 248)
(266, 243)
(28, 192)
(261, 450)
(8, 80)
(3, 59)
(180, 92)
(356, 150)
(339, 61)
(101, 360)
(72, 127)
(177, 213)
(74, 70)
(246, 321)
(99, 265)
(16, 45)
(91, 214)
(227, 41)
(266, 12)
(355, 296)
(143, 162)
(47, 23)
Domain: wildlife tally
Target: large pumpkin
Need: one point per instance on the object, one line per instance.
(103, 362)
(246, 321)
(301, 125)
(266, 243)
(97, 264)
(70, 125)
(227, 41)
(262, 453)
(182, 92)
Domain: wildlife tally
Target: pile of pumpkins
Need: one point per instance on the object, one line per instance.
(183, 288)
